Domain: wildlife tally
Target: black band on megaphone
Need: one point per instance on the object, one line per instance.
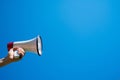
(38, 46)
(10, 45)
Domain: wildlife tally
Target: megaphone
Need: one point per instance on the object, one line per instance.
(33, 45)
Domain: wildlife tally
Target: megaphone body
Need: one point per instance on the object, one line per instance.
(33, 45)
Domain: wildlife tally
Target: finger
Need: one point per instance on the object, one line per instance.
(21, 56)
(14, 49)
(21, 52)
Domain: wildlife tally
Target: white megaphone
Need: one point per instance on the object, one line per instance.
(33, 45)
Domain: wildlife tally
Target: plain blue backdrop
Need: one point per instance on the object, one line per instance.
(81, 39)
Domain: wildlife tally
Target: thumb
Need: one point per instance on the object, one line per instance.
(11, 54)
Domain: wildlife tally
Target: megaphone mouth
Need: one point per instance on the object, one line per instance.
(39, 45)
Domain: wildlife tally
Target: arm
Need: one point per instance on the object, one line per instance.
(4, 61)
(10, 57)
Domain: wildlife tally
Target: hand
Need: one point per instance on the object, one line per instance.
(11, 56)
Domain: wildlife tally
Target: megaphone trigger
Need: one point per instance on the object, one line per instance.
(16, 55)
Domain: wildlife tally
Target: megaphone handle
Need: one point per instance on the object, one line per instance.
(16, 55)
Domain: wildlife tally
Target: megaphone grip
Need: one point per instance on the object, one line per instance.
(17, 55)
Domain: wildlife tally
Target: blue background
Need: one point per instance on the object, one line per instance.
(81, 39)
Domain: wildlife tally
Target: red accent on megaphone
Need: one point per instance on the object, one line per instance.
(10, 45)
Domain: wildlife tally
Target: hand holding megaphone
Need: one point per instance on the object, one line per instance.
(18, 52)
(15, 54)
(33, 45)
(11, 57)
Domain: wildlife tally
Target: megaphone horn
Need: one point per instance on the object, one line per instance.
(32, 45)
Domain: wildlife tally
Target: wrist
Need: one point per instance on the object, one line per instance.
(5, 61)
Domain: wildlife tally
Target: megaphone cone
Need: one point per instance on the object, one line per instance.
(32, 45)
